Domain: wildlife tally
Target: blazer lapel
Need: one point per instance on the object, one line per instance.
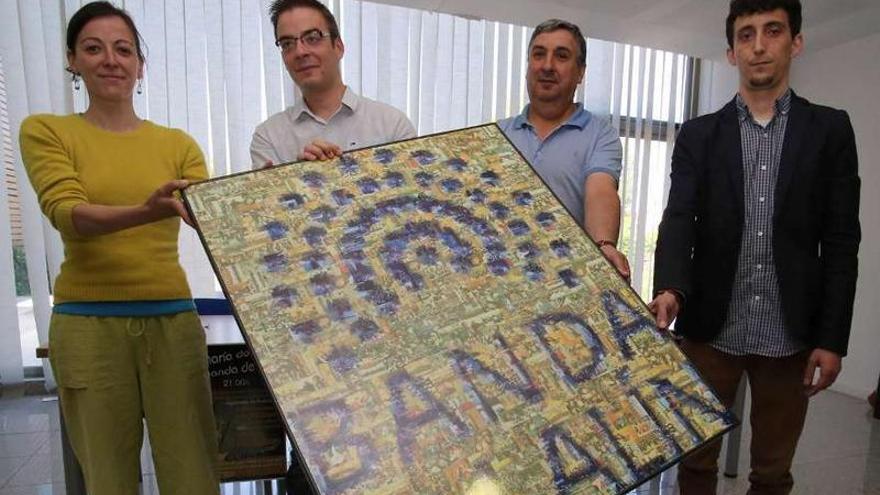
(730, 149)
(791, 145)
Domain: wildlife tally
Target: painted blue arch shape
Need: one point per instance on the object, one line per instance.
(353, 240)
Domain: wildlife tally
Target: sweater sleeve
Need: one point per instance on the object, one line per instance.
(51, 173)
(192, 165)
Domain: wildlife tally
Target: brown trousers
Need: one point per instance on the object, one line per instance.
(779, 407)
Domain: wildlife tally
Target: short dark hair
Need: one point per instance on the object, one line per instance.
(278, 7)
(739, 8)
(94, 10)
(557, 24)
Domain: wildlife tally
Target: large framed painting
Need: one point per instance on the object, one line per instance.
(430, 319)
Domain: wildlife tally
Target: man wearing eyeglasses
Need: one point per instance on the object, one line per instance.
(328, 118)
(576, 153)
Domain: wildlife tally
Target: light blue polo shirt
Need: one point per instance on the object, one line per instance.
(567, 156)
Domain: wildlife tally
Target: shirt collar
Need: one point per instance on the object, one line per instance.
(580, 118)
(782, 105)
(350, 100)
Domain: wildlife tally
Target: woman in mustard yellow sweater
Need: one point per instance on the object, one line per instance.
(125, 342)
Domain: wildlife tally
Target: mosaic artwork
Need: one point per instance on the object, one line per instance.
(430, 319)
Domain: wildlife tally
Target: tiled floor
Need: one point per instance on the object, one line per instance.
(839, 453)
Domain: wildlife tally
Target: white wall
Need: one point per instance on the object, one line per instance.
(845, 76)
(718, 83)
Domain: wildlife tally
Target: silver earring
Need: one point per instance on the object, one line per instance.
(140, 86)
(75, 79)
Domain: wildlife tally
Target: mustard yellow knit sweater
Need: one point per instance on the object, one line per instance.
(70, 162)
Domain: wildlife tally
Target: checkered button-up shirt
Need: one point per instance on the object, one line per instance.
(755, 323)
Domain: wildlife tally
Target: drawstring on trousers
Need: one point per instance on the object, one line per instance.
(140, 332)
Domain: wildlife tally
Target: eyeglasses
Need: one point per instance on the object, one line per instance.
(310, 38)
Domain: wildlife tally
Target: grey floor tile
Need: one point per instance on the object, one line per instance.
(27, 414)
(46, 489)
(149, 486)
(38, 470)
(8, 467)
(22, 444)
(23, 421)
(842, 475)
(732, 486)
(52, 445)
(147, 466)
(837, 426)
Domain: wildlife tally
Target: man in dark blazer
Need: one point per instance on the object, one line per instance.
(757, 249)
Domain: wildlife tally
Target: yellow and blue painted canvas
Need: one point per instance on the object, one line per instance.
(430, 319)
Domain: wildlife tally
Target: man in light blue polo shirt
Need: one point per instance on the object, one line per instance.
(578, 156)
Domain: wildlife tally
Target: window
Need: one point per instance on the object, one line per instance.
(656, 95)
(214, 71)
(19, 332)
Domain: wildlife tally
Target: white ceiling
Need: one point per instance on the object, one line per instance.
(695, 27)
